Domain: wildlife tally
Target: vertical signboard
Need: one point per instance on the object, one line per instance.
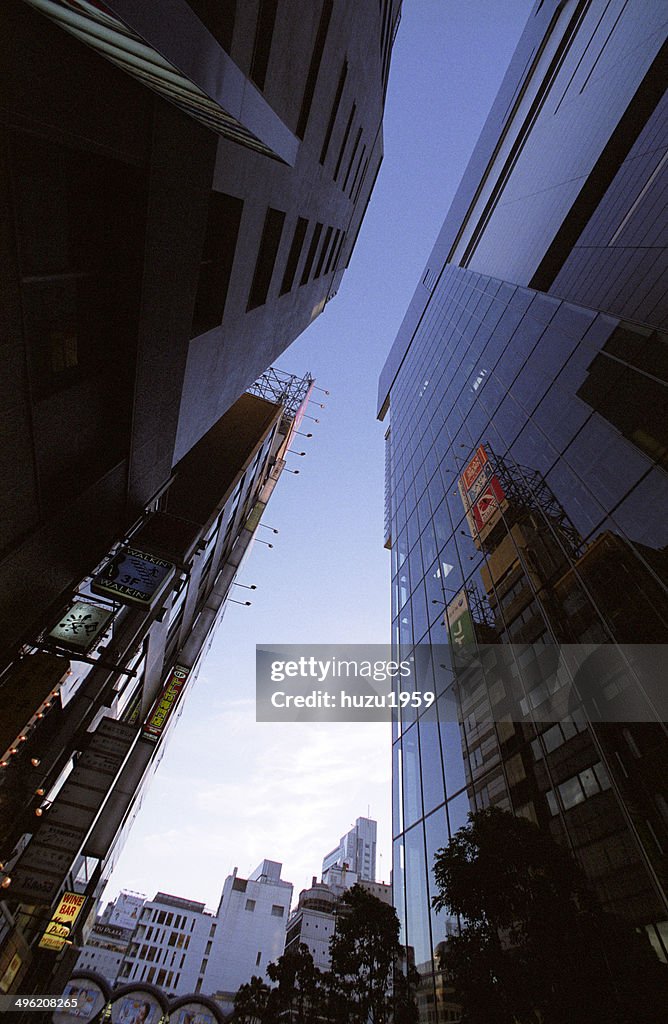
(482, 494)
(165, 704)
(58, 930)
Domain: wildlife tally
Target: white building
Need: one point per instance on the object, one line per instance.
(181, 947)
(356, 851)
(313, 922)
(253, 914)
(170, 945)
(109, 937)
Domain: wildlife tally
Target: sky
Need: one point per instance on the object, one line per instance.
(230, 792)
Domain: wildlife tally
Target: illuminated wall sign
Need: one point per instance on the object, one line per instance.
(134, 577)
(165, 704)
(479, 484)
(59, 927)
(482, 495)
(489, 503)
(460, 622)
(474, 467)
(80, 627)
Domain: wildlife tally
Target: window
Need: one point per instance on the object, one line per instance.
(294, 254)
(266, 258)
(220, 242)
(208, 948)
(344, 141)
(250, 905)
(150, 975)
(314, 67)
(323, 252)
(334, 111)
(264, 34)
(212, 931)
(278, 911)
(330, 258)
(258, 958)
(311, 254)
(160, 980)
(576, 790)
(352, 158)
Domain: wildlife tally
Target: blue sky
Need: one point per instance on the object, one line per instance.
(230, 791)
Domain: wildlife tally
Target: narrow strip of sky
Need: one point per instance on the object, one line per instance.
(229, 791)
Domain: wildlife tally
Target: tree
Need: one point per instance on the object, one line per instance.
(250, 1002)
(298, 986)
(534, 947)
(364, 950)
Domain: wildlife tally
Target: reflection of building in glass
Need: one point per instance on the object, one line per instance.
(526, 477)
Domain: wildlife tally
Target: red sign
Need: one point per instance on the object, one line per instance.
(488, 503)
(474, 467)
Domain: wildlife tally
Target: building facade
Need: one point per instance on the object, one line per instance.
(356, 851)
(171, 939)
(182, 186)
(109, 938)
(109, 676)
(253, 914)
(525, 457)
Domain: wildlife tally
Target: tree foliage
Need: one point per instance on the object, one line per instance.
(364, 950)
(534, 947)
(298, 987)
(250, 1002)
(365, 984)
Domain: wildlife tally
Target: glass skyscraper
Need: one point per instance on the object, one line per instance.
(527, 447)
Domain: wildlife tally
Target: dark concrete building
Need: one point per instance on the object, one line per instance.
(97, 692)
(182, 187)
(525, 399)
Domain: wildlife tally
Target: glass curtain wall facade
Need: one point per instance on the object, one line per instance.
(526, 489)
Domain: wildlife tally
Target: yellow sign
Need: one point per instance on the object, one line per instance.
(165, 703)
(58, 930)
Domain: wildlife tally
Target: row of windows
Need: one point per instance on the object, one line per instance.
(266, 257)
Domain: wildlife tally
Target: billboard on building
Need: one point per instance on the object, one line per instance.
(58, 930)
(134, 577)
(482, 494)
(460, 622)
(165, 704)
(80, 626)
